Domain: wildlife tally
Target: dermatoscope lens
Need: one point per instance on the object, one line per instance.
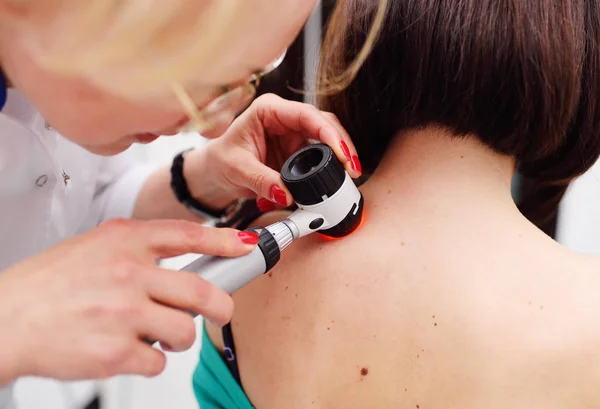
(305, 162)
(314, 175)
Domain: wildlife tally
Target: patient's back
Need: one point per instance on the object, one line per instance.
(420, 310)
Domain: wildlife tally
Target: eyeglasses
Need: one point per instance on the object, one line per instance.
(233, 100)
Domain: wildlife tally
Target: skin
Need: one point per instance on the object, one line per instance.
(107, 124)
(102, 303)
(245, 160)
(81, 309)
(446, 297)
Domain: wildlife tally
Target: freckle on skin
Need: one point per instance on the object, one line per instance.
(435, 324)
(286, 288)
(541, 307)
(433, 316)
(270, 274)
(364, 372)
(296, 295)
(402, 244)
(328, 328)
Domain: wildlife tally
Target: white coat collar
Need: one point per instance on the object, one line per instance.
(21, 110)
(23, 125)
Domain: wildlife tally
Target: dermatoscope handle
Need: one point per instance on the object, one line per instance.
(229, 274)
(232, 273)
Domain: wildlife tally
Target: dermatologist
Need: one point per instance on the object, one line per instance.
(82, 225)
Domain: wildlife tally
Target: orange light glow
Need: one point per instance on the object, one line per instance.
(327, 238)
(360, 224)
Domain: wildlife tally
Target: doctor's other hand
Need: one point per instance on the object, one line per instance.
(81, 309)
(245, 160)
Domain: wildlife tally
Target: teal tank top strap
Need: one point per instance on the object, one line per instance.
(214, 385)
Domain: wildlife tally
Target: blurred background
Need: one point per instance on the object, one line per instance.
(577, 226)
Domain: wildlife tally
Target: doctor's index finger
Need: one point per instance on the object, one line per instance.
(280, 117)
(353, 164)
(171, 238)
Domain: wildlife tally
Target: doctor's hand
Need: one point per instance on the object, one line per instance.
(245, 160)
(81, 309)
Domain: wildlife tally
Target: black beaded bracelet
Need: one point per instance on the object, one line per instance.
(182, 193)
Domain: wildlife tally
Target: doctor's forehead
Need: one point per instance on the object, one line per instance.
(264, 31)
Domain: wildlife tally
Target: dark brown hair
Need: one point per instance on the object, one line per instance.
(522, 75)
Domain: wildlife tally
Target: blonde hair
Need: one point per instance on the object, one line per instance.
(134, 48)
(334, 79)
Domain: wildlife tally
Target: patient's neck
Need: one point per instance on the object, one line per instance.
(430, 166)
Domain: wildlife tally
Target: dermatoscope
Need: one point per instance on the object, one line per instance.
(328, 203)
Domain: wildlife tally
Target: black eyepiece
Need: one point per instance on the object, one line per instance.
(306, 162)
(313, 174)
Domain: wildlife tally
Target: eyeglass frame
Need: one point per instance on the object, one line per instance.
(224, 104)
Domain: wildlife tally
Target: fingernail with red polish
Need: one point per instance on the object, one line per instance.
(345, 149)
(278, 195)
(356, 164)
(265, 205)
(248, 237)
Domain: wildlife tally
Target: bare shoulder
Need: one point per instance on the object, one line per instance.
(565, 312)
(584, 272)
(569, 329)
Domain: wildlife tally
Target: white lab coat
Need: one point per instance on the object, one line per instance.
(52, 189)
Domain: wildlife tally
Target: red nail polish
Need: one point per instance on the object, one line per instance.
(278, 195)
(356, 164)
(345, 149)
(265, 205)
(248, 237)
